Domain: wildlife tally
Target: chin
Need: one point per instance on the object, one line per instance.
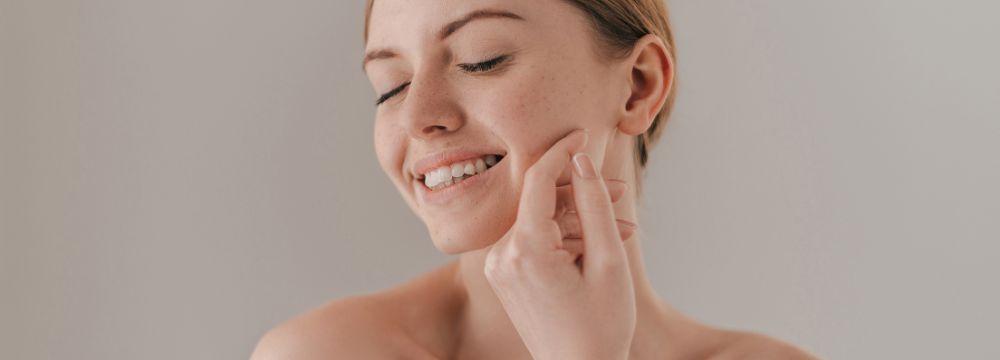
(470, 215)
(472, 232)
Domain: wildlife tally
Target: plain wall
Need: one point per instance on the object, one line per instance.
(176, 177)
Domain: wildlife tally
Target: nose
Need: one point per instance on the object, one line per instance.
(431, 111)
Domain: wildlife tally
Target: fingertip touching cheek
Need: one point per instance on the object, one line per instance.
(469, 95)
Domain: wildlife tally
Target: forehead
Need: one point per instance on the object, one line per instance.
(402, 23)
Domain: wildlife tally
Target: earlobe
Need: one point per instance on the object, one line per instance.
(651, 74)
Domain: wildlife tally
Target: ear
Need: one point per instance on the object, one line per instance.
(650, 70)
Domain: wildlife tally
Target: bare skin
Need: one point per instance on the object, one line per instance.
(434, 317)
(452, 313)
(550, 84)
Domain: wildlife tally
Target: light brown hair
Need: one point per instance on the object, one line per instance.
(619, 24)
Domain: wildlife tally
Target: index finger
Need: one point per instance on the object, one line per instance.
(538, 194)
(601, 239)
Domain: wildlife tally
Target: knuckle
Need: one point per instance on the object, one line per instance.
(506, 260)
(490, 263)
(489, 270)
(517, 257)
(496, 271)
(596, 212)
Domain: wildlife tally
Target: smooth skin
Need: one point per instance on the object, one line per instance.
(562, 308)
(549, 258)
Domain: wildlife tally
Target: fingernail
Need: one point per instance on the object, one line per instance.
(624, 183)
(584, 167)
(628, 229)
(627, 234)
(628, 223)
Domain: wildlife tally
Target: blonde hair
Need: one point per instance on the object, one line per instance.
(619, 24)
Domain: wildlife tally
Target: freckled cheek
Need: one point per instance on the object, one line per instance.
(533, 111)
(520, 112)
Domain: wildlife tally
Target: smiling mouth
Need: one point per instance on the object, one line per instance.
(448, 175)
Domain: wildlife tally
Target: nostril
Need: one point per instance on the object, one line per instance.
(434, 128)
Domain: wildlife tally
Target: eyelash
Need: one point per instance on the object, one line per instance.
(483, 66)
(393, 92)
(470, 68)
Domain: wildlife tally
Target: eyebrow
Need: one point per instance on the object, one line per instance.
(446, 31)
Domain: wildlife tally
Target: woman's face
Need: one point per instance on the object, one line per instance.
(466, 82)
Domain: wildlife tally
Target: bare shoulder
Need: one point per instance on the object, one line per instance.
(378, 325)
(746, 345)
(350, 327)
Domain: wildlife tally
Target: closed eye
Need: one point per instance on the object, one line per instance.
(485, 65)
(471, 68)
(391, 93)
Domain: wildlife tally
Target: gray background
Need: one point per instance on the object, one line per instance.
(176, 177)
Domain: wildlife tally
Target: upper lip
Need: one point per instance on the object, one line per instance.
(447, 157)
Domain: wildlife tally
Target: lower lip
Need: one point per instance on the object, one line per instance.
(450, 193)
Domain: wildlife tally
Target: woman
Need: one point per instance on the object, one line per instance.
(517, 131)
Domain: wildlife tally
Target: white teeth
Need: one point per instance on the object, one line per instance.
(448, 175)
(433, 179)
(443, 175)
(429, 179)
(480, 165)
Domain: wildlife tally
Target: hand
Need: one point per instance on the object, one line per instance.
(561, 309)
(569, 220)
